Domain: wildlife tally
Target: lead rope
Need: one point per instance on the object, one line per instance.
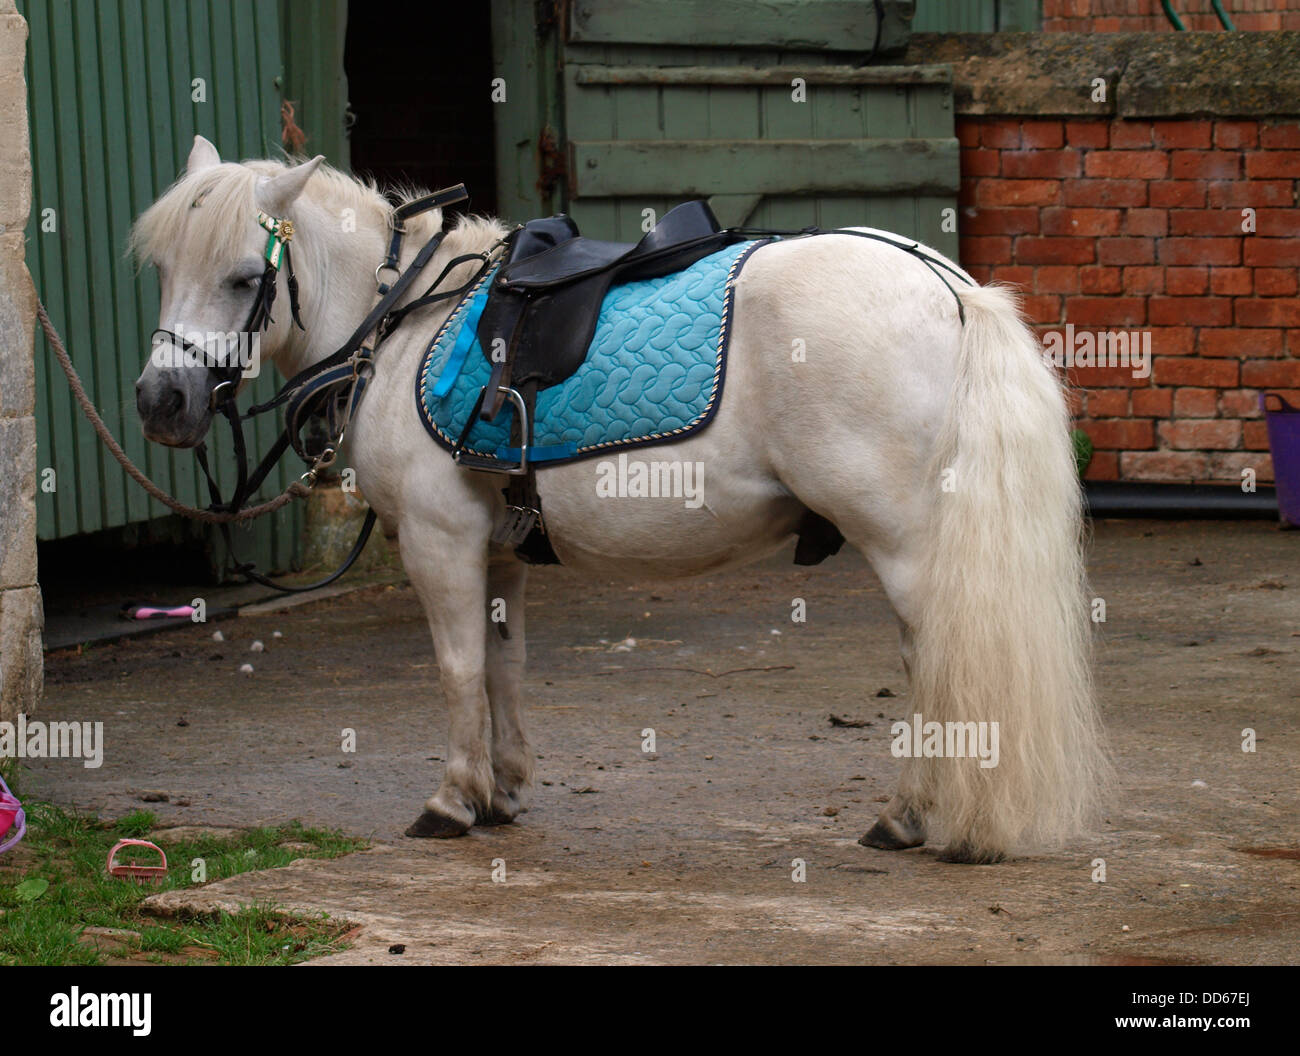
(296, 490)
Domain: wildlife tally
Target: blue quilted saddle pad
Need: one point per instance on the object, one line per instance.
(653, 373)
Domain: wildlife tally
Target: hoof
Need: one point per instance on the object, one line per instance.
(436, 826)
(494, 817)
(503, 809)
(965, 854)
(885, 838)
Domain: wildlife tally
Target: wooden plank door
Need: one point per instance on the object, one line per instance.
(766, 110)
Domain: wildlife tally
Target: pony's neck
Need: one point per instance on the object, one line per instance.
(338, 284)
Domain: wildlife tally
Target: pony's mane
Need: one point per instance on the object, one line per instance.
(229, 191)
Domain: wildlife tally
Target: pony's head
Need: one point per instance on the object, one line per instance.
(208, 237)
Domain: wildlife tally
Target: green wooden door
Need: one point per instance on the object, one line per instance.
(978, 16)
(766, 110)
(314, 32)
(117, 89)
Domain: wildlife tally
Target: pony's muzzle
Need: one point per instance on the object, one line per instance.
(166, 414)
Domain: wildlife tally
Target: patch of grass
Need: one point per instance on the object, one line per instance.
(1082, 443)
(70, 850)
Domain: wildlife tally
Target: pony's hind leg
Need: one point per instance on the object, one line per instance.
(512, 755)
(450, 576)
(902, 823)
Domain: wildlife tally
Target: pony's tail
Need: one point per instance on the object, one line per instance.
(1003, 635)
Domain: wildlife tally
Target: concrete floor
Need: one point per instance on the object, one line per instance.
(686, 857)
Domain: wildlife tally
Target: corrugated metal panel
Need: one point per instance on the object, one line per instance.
(112, 121)
(977, 16)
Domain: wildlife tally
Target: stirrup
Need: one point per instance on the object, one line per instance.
(469, 461)
(517, 526)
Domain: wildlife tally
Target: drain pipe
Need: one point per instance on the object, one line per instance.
(1111, 498)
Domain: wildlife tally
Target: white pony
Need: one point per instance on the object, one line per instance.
(939, 449)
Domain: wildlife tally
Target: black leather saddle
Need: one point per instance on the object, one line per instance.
(544, 301)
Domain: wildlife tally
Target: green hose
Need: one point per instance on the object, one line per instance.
(1223, 15)
(1177, 22)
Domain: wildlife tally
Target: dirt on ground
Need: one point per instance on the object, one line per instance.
(689, 853)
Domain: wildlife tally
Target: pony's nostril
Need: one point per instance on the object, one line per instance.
(172, 403)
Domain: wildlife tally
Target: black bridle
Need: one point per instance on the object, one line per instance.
(277, 253)
(321, 399)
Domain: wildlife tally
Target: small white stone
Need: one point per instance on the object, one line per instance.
(775, 631)
(276, 634)
(245, 669)
(1198, 783)
(1124, 928)
(217, 636)
(256, 647)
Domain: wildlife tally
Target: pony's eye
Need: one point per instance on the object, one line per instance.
(245, 283)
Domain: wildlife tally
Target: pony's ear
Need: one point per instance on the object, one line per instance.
(203, 155)
(279, 192)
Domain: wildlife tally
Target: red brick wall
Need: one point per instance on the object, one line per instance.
(1137, 226)
(1146, 16)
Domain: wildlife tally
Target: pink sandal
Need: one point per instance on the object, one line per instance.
(141, 874)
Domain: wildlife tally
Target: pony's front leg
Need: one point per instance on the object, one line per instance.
(450, 576)
(512, 755)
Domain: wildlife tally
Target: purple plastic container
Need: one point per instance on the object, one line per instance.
(13, 822)
(1284, 442)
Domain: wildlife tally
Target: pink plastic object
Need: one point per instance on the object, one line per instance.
(12, 817)
(141, 874)
(149, 612)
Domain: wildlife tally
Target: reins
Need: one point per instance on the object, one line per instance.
(327, 391)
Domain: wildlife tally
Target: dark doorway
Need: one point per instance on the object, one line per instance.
(420, 94)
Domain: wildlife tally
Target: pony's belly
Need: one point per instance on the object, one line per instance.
(645, 537)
